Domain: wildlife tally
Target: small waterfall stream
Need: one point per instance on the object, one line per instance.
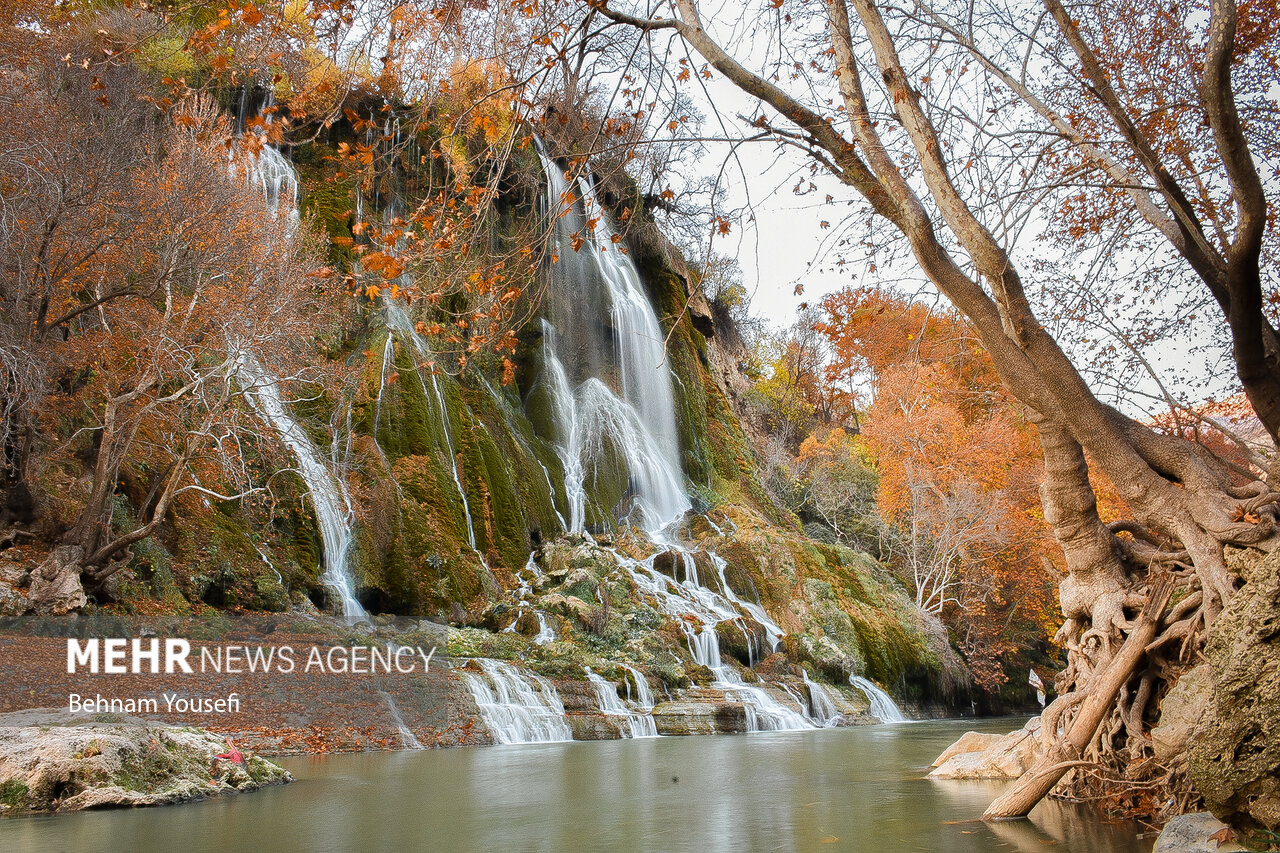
(275, 176)
(637, 724)
(401, 325)
(329, 497)
(517, 705)
(883, 707)
(822, 710)
(408, 740)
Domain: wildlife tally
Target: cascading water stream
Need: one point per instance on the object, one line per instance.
(408, 740)
(636, 724)
(274, 175)
(516, 705)
(883, 707)
(329, 498)
(638, 421)
(822, 710)
(643, 700)
(401, 324)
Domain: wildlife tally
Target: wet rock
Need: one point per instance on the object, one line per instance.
(595, 726)
(569, 606)
(1180, 711)
(1193, 833)
(1233, 756)
(700, 718)
(744, 639)
(977, 756)
(55, 583)
(93, 765)
(578, 697)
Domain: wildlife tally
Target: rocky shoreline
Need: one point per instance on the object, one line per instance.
(51, 763)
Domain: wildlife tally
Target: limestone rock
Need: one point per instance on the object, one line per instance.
(55, 583)
(14, 570)
(1190, 833)
(700, 718)
(978, 756)
(595, 726)
(568, 605)
(1233, 756)
(968, 742)
(1180, 711)
(135, 763)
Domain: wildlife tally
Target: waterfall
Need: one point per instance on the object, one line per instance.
(883, 707)
(764, 713)
(637, 420)
(275, 176)
(637, 724)
(407, 738)
(644, 695)
(329, 497)
(522, 595)
(822, 710)
(517, 706)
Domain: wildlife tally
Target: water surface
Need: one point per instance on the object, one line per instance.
(859, 789)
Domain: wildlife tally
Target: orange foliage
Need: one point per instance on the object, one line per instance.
(959, 472)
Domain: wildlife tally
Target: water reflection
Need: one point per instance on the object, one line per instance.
(833, 789)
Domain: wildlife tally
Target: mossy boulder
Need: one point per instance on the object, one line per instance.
(92, 765)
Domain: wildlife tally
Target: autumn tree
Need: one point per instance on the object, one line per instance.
(140, 270)
(957, 471)
(943, 144)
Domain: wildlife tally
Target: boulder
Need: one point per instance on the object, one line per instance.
(977, 756)
(91, 764)
(1180, 711)
(569, 606)
(55, 583)
(1194, 833)
(12, 603)
(1233, 755)
(968, 742)
(595, 726)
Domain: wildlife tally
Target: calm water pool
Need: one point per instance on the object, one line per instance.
(859, 789)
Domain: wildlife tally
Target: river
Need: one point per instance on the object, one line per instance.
(857, 789)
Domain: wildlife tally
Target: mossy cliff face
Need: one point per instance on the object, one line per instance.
(455, 480)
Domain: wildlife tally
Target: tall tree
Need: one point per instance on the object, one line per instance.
(881, 107)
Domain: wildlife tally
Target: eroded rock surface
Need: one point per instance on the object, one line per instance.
(1233, 755)
(91, 765)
